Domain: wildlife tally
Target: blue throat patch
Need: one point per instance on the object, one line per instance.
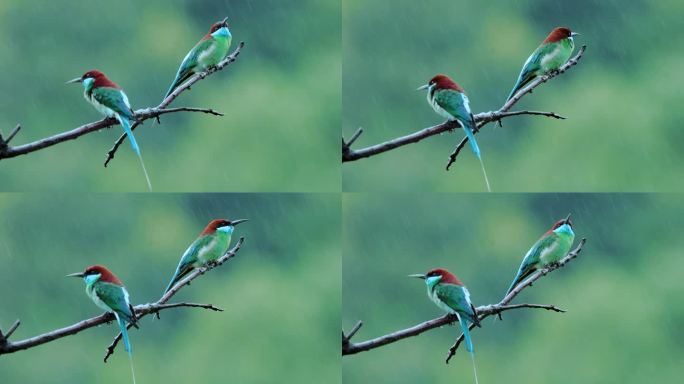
(223, 31)
(90, 279)
(229, 229)
(564, 229)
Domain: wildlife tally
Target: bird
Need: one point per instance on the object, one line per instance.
(211, 244)
(449, 100)
(548, 250)
(110, 100)
(450, 295)
(207, 53)
(109, 293)
(553, 52)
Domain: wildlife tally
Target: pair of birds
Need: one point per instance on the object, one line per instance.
(111, 101)
(109, 293)
(449, 100)
(450, 295)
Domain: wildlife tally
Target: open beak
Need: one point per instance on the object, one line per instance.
(77, 274)
(573, 34)
(76, 80)
(418, 275)
(422, 87)
(236, 222)
(567, 219)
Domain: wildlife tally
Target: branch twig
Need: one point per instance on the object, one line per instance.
(186, 86)
(481, 119)
(7, 151)
(350, 348)
(141, 310)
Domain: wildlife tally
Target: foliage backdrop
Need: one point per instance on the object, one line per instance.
(281, 98)
(623, 102)
(281, 293)
(622, 294)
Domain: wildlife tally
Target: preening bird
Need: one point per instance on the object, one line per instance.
(553, 52)
(450, 295)
(449, 100)
(110, 100)
(207, 53)
(548, 250)
(212, 243)
(109, 293)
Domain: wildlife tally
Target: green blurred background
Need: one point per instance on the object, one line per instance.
(623, 102)
(281, 294)
(623, 294)
(281, 97)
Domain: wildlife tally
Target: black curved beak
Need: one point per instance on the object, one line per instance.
(76, 80)
(238, 221)
(77, 274)
(418, 275)
(225, 22)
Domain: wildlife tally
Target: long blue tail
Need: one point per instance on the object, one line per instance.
(127, 344)
(468, 128)
(469, 342)
(466, 334)
(126, 125)
(124, 333)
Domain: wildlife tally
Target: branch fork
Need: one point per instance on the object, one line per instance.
(141, 310)
(483, 311)
(7, 151)
(482, 119)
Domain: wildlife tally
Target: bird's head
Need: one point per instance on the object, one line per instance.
(562, 226)
(559, 34)
(95, 273)
(220, 29)
(438, 275)
(440, 82)
(88, 78)
(221, 225)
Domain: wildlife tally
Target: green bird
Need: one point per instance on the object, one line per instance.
(548, 250)
(109, 293)
(553, 52)
(211, 244)
(450, 101)
(450, 295)
(207, 53)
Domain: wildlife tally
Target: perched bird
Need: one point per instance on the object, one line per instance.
(110, 100)
(449, 100)
(109, 293)
(207, 53)
(449, 294)
(553, 52)
(548, 250)
(211, 244)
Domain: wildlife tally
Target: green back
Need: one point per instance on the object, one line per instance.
(113, 99)
(114, 296)
(455, 103)
(456, 297)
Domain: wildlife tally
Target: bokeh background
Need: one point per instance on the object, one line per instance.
(623, 101)
(281, 293)
(281, 98)
(622, 294)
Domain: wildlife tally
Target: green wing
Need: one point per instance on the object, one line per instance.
(189, 63)
(533, 258)
(456, 297)
(115, 100)
(455, 103)
(115, 298)
(533, 65)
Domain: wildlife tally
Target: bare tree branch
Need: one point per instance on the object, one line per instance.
(350, 348)
(7, 151)
(186, 86)
(481, 119)
(142, 310)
